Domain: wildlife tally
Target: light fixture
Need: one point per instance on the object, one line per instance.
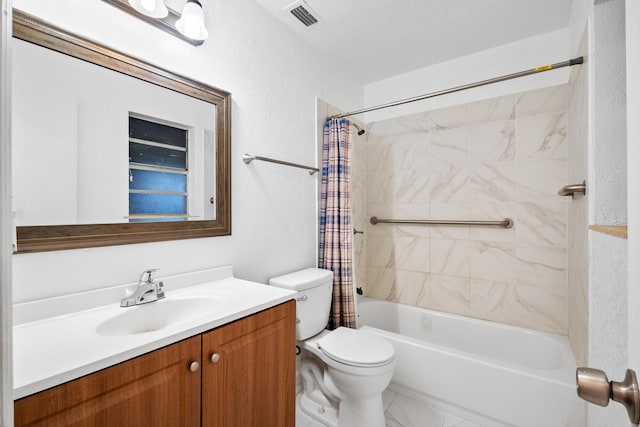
(152, 8)
(188, 27)
(191, 22)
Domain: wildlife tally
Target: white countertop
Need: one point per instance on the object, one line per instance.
(52, 350)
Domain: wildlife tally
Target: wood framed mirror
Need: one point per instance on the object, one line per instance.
(70, 234)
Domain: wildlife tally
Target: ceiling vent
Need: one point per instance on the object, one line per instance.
(304, 13)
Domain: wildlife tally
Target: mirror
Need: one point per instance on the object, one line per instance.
(91, 128)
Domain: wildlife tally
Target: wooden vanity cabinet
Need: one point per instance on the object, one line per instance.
(251, 382)
(248, 371)
(155, 389)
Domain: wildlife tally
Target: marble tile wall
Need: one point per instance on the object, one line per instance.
(502, 157)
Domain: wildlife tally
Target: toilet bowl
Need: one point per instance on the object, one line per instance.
(344, 371)
(359, 366)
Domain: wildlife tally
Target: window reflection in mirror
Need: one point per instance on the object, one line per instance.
(157, 171)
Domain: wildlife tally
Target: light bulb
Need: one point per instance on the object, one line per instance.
(191, 23)
(152, 8)
(150, 5)
(191, 28)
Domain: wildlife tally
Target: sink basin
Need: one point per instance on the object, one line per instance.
(157, 315)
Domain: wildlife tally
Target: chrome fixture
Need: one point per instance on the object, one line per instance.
(187, 25)
(148, 290)
(248, 158)
(572, 190)
(506, 222)
(360, 130)
(594, 387)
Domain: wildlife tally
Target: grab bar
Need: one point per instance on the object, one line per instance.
(506, 222)
(572, 190)
(248, 158)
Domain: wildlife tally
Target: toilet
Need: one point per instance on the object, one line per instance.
(344, 371)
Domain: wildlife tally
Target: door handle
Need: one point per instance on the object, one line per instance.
(594, 387)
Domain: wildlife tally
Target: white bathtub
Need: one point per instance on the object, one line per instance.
(497, 373)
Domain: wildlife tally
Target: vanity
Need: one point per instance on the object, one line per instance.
(217, 351)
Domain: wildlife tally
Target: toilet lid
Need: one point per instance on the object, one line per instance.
(355, 347)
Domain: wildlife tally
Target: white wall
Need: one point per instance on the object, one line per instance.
(581, 11)
(506, 59)
(274, 79)
(608, 174)
(608, 319)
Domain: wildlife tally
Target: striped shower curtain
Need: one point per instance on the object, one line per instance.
(336, 230)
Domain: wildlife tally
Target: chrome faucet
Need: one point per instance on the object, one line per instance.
(148, 290)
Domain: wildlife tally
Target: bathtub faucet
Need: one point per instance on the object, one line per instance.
(148, 290)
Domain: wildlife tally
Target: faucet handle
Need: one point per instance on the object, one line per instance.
(147, 275)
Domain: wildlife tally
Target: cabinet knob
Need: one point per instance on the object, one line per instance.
(215, 357)
(194, 366)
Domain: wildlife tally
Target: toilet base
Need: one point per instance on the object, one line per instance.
(316, 400)
(339, 399)
(326, 415)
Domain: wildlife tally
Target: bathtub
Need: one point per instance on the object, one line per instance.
(487, 372)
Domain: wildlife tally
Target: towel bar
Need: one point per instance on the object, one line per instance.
(248, 158)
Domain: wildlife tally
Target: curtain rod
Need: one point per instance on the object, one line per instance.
(536, 70)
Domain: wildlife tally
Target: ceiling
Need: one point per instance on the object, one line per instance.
(383, 38)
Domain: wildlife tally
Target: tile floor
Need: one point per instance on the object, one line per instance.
(401, 411)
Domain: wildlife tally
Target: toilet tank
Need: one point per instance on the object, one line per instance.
(313, 288)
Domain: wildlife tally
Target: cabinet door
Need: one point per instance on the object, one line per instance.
(155, 389)
(250, 382)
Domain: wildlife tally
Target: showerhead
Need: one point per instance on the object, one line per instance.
(360, 130)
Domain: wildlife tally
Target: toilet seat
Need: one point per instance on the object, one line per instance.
(358, 348)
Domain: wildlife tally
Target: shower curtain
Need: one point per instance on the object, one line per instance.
(336, 230)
